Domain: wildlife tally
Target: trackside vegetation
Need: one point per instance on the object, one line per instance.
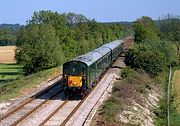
(9, 72)
(133, 82)
(21, 85)
(157, 46)
(51, 38)
(8, 34)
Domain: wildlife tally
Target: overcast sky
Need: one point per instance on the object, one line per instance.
(19, 11)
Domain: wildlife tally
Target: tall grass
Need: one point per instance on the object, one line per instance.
(12, 89)
(161, 111)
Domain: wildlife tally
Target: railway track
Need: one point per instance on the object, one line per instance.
(87, 110)
(64, 110)
(51, 108)
(26, 107)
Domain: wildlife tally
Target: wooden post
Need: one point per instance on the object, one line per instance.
(55, 72)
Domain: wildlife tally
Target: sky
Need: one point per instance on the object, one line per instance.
(19, 11)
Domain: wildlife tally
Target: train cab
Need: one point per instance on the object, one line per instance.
(74, 76)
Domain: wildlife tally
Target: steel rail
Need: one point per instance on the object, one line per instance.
(53, 113)
(72, 112)
(15, 109)
(34, 109)
(98, 100)
(80, 103)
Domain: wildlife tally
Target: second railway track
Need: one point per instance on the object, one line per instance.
(13, 116)
(51, 108)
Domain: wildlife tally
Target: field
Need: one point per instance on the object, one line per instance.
(176, 88)
(9, 71)
(7, 54)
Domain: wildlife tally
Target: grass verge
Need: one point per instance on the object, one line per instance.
(161, 111)
(12, 89)
(9, 72)
(176, 88)
(175, 107)
(134, 84)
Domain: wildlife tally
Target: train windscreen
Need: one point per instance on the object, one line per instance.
(74, 68)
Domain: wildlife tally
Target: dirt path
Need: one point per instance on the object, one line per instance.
(176, 88)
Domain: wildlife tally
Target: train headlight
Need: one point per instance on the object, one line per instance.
(70, 82)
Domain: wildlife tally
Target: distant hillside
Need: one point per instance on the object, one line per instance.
(121, 22)
(13, 27)
(8, 33)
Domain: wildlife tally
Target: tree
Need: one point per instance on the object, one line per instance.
(38, 48)
(170, 27)
(151, 60)
(145, 28)
(50, 38)
(75, 19)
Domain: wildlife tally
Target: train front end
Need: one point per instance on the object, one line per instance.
(74, 78)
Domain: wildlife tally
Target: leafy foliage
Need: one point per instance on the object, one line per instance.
(150, 53)
(39, 48)
(127, 72)
(145, 28)
(111, 109)
(8, 34)
(161, 113)
(169, 26)
(50, 38)
(149, 60)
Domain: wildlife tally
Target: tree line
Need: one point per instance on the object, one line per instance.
(51, 38)
(8, 33)
(156, 47)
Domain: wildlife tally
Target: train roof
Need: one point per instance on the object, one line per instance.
(102, 50)
(113, 44)
(91, 57)
(88, 58)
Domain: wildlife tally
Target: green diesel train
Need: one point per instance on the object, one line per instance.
(81, 73)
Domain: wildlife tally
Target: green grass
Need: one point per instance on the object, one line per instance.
(111, 108)
(9, 72)
(175, 107)
(176, 88)
(16, 87)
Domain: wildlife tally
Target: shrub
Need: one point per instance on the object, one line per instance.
(152, 61)
(126, 72)
(111, 108)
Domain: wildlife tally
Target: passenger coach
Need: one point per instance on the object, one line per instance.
(82, 73)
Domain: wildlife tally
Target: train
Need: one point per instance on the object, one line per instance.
(83, 72)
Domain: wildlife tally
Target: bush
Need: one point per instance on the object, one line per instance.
(39, 48)
(126, 72)
(111, 108)
(152, 61)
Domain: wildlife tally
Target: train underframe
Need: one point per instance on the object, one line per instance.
(76, 92)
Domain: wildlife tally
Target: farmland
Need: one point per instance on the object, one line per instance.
(9, 72)
(7, 54)
(8, 69)
(176, 88)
